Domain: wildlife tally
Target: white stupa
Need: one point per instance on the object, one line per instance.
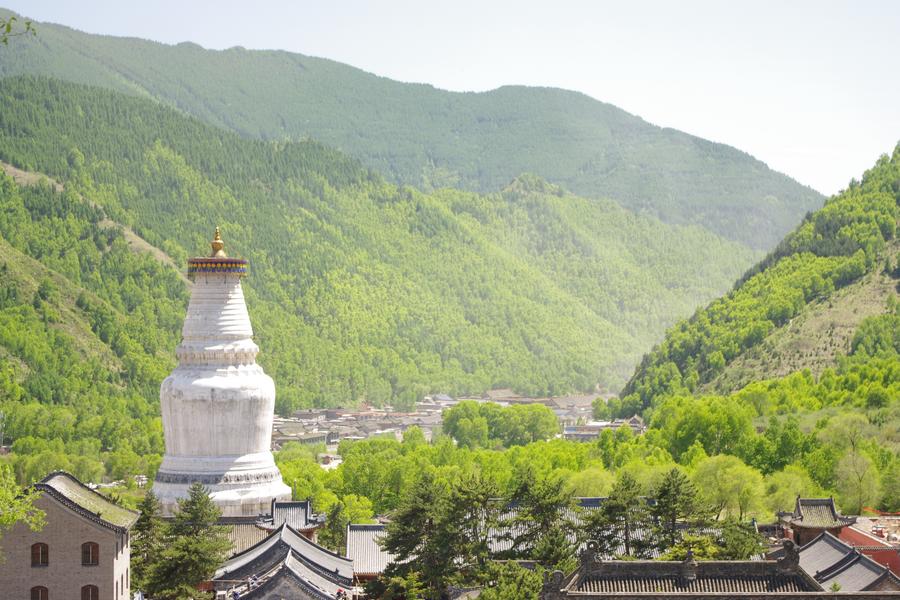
(218, 404)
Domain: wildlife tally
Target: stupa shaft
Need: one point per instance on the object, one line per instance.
(218, 404)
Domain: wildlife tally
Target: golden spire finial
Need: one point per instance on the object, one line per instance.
(218, 246)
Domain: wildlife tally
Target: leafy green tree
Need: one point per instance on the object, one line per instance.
(414, 436)
(148, 538)
(349, 509)
(846, 431)
(729, 487)
(858, 482)
(194, 548)
(783, 487)
(509, 581)
(592, 481)
(703, 547)
(17, 504)
(739, 541)
(396, 587)
(473, 514)
(539, 527)
(890, 486)
(9, 29)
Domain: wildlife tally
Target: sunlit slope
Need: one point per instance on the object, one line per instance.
(363, 290)
(800, 308)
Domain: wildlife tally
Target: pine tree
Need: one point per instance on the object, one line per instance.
(334, 535)
(676, 502)
(472, 513)
(417, 535)
(616, 523)
(541, 502)
(195, 547)
(148, 540)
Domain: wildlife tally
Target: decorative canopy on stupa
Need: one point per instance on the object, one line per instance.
(217, 261)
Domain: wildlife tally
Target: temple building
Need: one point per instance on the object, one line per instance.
(218, 404)
(837, 565)
(785, 578)
(812, 517)
(83, 550)
(286, 564)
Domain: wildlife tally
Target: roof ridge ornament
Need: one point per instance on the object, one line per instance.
(789, 563)
(689, 568)
(218, 246)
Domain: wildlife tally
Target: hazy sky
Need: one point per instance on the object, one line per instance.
(811, 88)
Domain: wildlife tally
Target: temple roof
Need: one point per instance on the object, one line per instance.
(832, 561)
(817, 513)
(651, 577)
(244, 532)
(823, 553)
(298, 514)
(319, 564)
(714, 579)
(291, 578)
(73, 494)
(364, 549)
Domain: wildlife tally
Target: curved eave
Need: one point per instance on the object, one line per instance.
(83, 512)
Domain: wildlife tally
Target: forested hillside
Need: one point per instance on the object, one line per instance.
(87, 328)
(360, 289)
(849, 242)
(418, 135)
(807, 346)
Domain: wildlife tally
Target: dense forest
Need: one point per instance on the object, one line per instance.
(851, 237)
(363, 290)
(87, 328)
(429, 138)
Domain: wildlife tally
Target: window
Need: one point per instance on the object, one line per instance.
(90, 592)
(90, 554)
(40, 555)
(39, 593)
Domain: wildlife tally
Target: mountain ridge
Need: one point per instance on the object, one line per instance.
(419, 135)
(364, 290)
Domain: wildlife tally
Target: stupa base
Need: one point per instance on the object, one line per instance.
(237, 492)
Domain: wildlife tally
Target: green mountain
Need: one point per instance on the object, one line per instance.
(87, 327)
(360, 289)
(429, 138)
(821, 308)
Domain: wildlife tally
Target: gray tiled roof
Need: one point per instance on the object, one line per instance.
(858, 574)
(292, 578)
(818, 513)
(243, 534)
(832, 561)
(715, 579)
(823, 553)
(70, 492)
(735, 583)
(274, 548)
(364, 550)
(295, 514)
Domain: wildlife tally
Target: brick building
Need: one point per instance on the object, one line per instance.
(82, 551)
